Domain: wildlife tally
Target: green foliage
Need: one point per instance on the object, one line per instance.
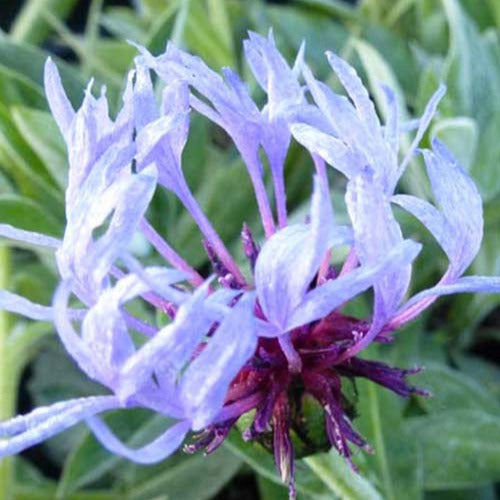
(442, 447)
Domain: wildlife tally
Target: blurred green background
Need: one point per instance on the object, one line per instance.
(446, 447)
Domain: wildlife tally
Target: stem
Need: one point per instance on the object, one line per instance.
(280, 195)
(168, 253)
(254, 170)
(8, 380)
(210, 233)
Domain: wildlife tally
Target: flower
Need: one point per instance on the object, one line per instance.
(241, 343)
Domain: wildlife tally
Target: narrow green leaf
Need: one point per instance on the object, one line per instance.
(24, 213)
(460, 135)
(333, 470)
(460, 448)
(197, 478)
(29, 61)
(306, 482)
(15, 88)
(454, 390)
(40, 130)
(29, 25)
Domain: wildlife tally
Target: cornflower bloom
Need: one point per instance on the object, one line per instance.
(259, 341)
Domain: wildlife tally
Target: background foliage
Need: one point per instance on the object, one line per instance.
(438, 448)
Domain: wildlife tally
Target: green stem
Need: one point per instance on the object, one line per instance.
(342, 481)
(7, 381)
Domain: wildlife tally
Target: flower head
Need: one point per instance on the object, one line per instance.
(260, 342)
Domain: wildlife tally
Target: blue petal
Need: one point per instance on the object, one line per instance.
(467, 284)
(333, 293)
(460, 203)
(29, 237)
(376, 232)
(44, 423)
(59, 104)
(290, 259)
(205, 383)
(157, 450)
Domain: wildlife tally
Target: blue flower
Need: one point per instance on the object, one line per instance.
(238, 343)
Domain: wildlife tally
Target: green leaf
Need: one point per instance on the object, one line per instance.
(24, 166)
(42, 133)
(269, 490)
(484, 168)
(295, 24)
(485, 372)
(15, 88)
(203, 35)
(89, 461)
(306, 482)
(452, 390)
(196, 478)
(24, 213)
(29, 25)
(459, 448)
(29, 61)
(395, 460)
(342, 481)
(124, 23)
(460, 135)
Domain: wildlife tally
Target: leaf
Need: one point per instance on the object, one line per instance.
(306, 482)
(460, 135)
(296, 24)
(29, 25)
(125, 24)
(40, 130)
(333, 470)
(55, 377)
(473, 78)
(453, 390)
(22, 164)
(89, 461)
(269, 490)
(485, 372)
(204, 36)
(484, 168)
(196, 478)
(25, 214)
(15, 88)
(396, 459)
(29, 61)
(460, 448)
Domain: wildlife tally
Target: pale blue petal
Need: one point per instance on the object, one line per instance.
(205, 383)
(392, 127)
(145, 107)
(335, 152)
(22, 423)
(466, 284)
(132, 201)
(157, 450)
(20, 305)
(170, 348)
(29, 237)
(324, 299)
(37, 429)
(59, 104)
(423, 124)
(431, 218)
(175, 101)
(460, 203)
(376, 232)
(356, 91)
(289, 260)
